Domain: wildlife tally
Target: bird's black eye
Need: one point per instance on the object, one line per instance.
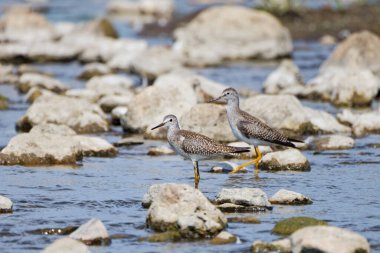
(228, 93)
(171, 120)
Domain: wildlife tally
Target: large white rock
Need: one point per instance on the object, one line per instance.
(66, 245)
(185, 209)
(323, 122)
(210, 120)
(87, 94)
(328, 239)
(243, 196)
(111, 84)
(289, 159)
(331, 142)
(30, 80)
(109, 102)
(361, 123)
(281, 246)
(286, 197)
(231, 32)
(286, 79)
(79, 114)
(92, 232)
(6, 205)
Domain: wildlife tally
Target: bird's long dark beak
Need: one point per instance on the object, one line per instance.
(215, 99)
(160, 125)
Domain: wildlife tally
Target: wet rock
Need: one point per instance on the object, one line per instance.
(155, 61)
(154, 192)
(160, 150)
(286, 79)
(53, 129)
(288, 115)
(66, 245)
(281, 246)
(129, 141)
(243, 196)
(94, 146)
(285, 197)
(210, 120)
(344, 87)
(117, 113)
(290, 225)
(206, 40)
(328, 239)
(226, 167)
(359, 50)
(94, 69)
(3, 103)
(22, 24)
(328, 40)
(184, 209)
(8, 75)
(233, 208)
(79, 114)
(289, 159)
(110, 85)
(54, 231)
(92, 232)
(30, 80)
(109, 102)
(168, 236)
(87, 94)
(27, 68)
(224, 238)
(331, 142)
(6, 205)
(361, 123)
(156, 101)
(97, 27)
(244, 219)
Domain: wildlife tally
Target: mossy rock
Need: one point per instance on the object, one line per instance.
(169, 236)
(3, 103)
(290, 225)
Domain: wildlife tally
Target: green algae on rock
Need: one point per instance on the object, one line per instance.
(290, 225)
(168, 236)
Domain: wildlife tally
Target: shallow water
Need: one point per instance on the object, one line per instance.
(344, 185)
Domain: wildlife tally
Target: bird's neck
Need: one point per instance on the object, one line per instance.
(233, 106)
(173, 129)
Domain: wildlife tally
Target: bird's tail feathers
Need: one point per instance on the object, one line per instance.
(295, 140)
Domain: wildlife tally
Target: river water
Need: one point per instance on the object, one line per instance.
(344, 185)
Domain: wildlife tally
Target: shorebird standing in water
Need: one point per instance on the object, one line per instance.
(194, 146)
(250, 129)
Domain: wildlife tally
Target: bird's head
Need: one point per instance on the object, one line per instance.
(169, 120)
(228, 95)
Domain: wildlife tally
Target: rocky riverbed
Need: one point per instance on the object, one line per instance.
(85, 166)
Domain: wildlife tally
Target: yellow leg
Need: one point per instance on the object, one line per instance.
(255, 161)
(196, 174)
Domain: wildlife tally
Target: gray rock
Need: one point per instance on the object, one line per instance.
(286, 79)
(331, 142)
(30, 80)
(281, 246)
(66, 245)
(79, 114)
(289, 159)
(328, 239)
(285, 197)
(362, 123)
(94, 69)
(243, 196)
(206, 40)
(92, 232)
(184, 209)
(6, 205)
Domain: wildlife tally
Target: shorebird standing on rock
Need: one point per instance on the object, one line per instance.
(194, 146)
(250, 129)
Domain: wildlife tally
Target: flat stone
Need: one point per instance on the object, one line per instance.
(109, 102)
(233, 208)
(168, 236)
(160, 150)
(244, 219)
(328, 239)
(223, 238)
(87, 94)
(289, 159)
(281, 246)
(92, 232)
(362, 123)
(66, 245)
(290, 225)
(6, 205)
(111, 84)
(285, 197)
(30, 80)
(331, 142)
(128, 141)
(243, 196)
(94, 69)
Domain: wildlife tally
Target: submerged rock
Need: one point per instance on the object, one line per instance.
(92, 232)
(30, 80)
(79, 114)
(160, 150)
(361, 123)
(206, 40)
(54, 231)
(182, 208)
(243, 196)
(66, 245)
(281, 246)
(285, 197)
(328, 239)
(94, 69)
(290, 225)
(244, 219)
(3, 103)
(6, 205)
(226, 167)
(233, 208)
(224, 238)
(168, 236)
(286, 79)
(289, 159)
(331, 142)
